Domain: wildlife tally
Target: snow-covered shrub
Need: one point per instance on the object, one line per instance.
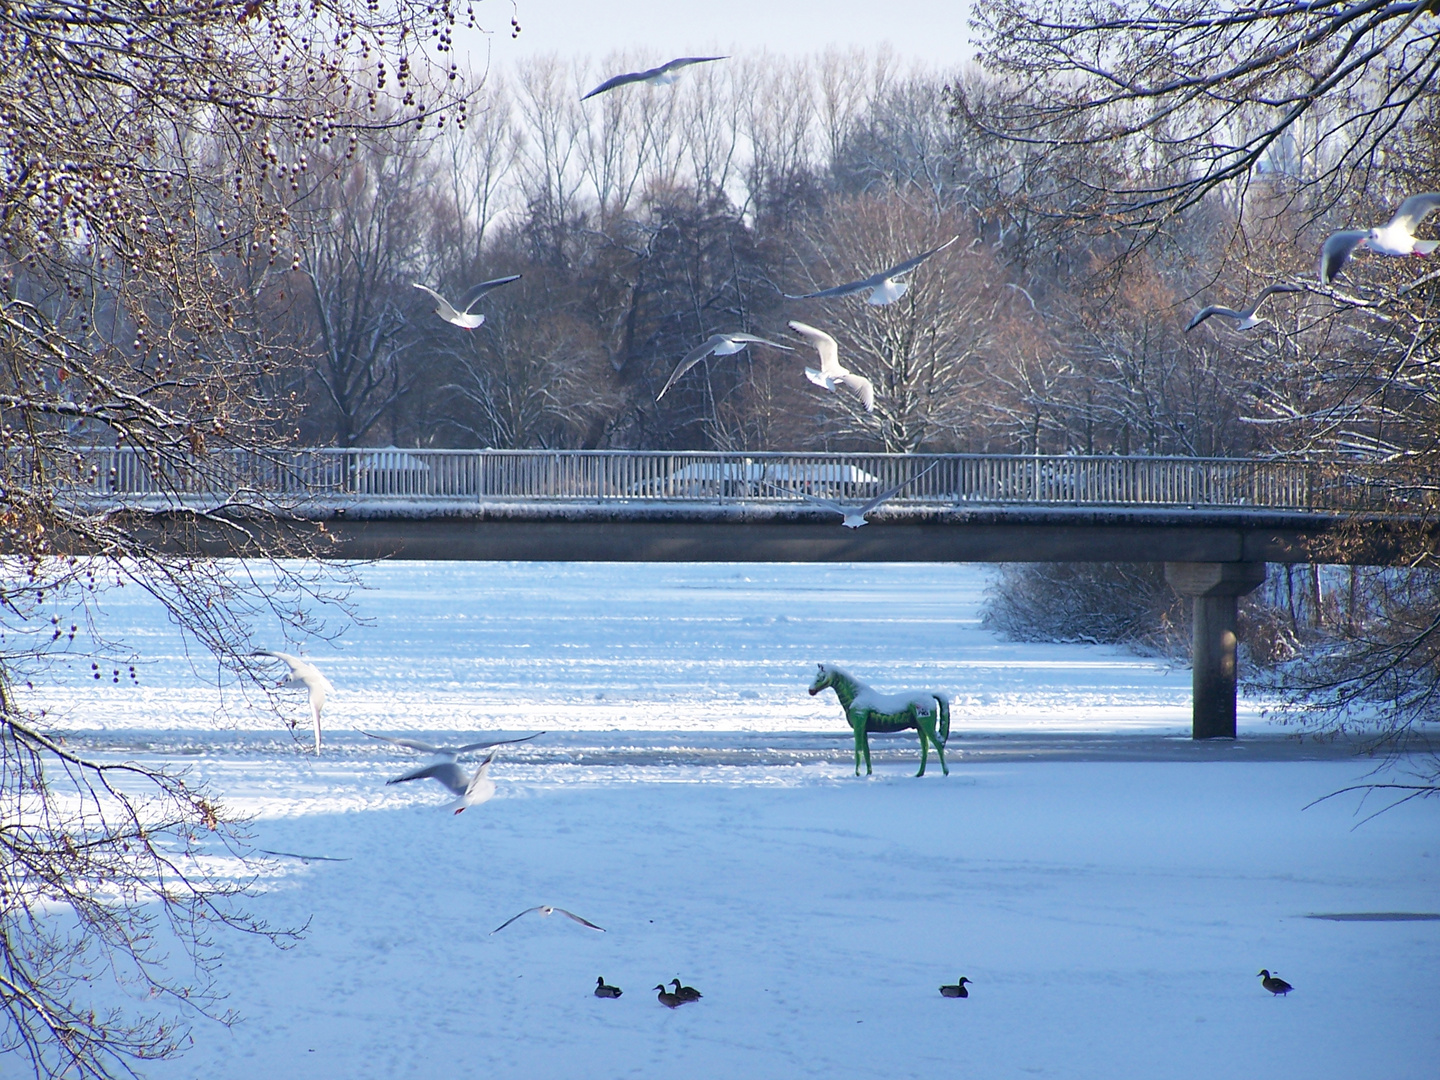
(1102, 603)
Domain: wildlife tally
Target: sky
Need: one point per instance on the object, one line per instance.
(933, 32)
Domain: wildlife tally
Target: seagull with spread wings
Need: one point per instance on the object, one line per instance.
(472, 789)
(884, 289)
(1245, 318)
(303, 673)
(546, 909)
(449, 753)
(720, 345)
(831, 373)
(663, 75)
(854, 516)
(463, 316)
(1395, 237)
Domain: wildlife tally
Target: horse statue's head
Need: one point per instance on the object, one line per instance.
(825, 677)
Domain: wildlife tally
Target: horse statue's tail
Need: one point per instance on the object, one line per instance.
(943, 728)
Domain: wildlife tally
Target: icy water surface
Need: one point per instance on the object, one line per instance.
(651, 647)
(1111, 887)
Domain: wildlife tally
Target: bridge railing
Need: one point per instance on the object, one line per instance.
(704, 476)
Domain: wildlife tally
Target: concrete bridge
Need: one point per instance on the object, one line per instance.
(1213, 522)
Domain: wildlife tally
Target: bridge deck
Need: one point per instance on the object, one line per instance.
(767, 533)
(710, 506)
(635, 478)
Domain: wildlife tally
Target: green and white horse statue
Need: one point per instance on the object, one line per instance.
(868, 711)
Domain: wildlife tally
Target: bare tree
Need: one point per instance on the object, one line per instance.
(925, 352)
(362, 230)
(479, 160)
(147, 155)
(549, 161)
(1274, 123)
(532, 376)
(1201, 97)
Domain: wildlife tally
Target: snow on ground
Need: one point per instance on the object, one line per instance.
(697, 803)
(1113, 918)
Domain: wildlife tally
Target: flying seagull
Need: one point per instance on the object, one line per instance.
(854, 516)
(1395, 237)
(720, 345)
(449, 752)
(831, 374)
(545, 909)
(463, 318)
(306, 859)
(303, 673)
(473, 790)
(663, 75)
(1246, 316)
(884, 289)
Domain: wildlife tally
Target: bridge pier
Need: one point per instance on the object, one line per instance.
(1216, 589)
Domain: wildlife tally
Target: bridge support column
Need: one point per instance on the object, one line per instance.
(1216, 589)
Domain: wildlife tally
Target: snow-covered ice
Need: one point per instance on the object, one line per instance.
(1112, 910)
(647, 647)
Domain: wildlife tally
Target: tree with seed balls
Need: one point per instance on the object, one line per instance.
(153, 157)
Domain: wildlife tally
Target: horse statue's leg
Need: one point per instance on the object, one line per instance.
(860, 721)
(943, 711)
(920, 730)
(925, 724)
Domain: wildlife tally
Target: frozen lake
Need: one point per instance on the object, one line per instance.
(692, 799)
(645, 648)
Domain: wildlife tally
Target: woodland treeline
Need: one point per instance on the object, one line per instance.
(644, 220)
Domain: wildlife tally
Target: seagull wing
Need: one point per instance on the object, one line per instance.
(1336, 252)
(479, 777)
(1213, 309)
(1415, 209)
(319, 685)
(621, 80)
(824, 345)
(294, 662)
(861, 385)
(693, 357)
(475, 292)
(828, 504)
(1271, 290)
(676, 64)
(408, 744)
(447, 772)
(508, 921)
(472, 747)
(582, 922)
(301, 670)
(873, 503)
(751, 339)
(841, 290)
(442, 306)
(910, 264)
